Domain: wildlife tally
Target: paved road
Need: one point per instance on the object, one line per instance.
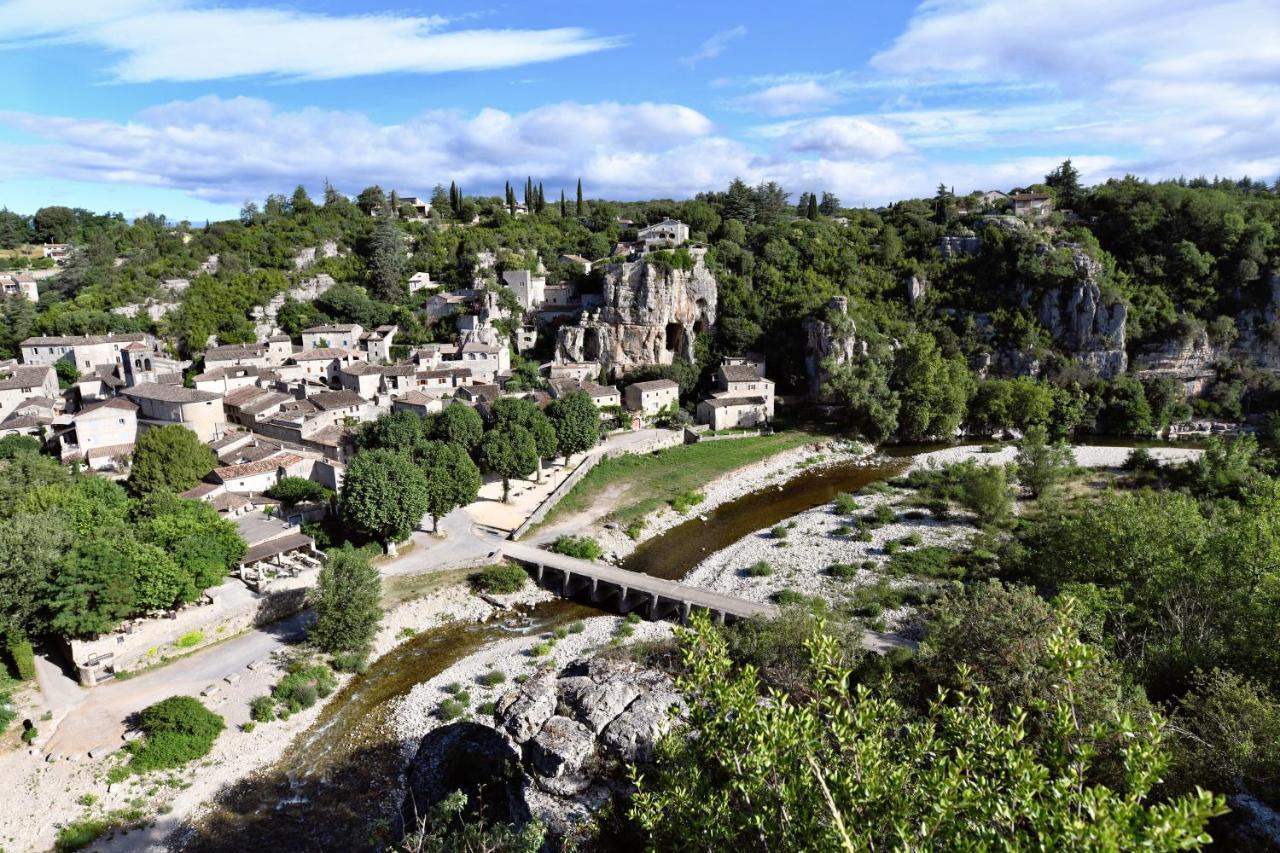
(96, 716)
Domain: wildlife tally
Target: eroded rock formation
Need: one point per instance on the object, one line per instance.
(1083, 326)
(829, 337)
(649, 316)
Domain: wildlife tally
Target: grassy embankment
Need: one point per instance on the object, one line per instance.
(651, 481)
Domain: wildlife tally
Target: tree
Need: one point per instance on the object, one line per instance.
(847, 768)
(169, 458)
(576, 421)
(1042, 465)
(346, 602)
(862, 387)
(399, 431)
(510, 411)
(14, 229)
(579, 209)
(984, 490)
(453, 480)
(93, 589)
(563, 210)
(291, 491)
(458, 424)
(371, 200)
(204, 544)
(934, 390)
(55, 225)
(811, 211)
(31, 548)
(384, 495)
(386, 261)
(508, 452)
(300, 202)
(830, 205)
(13, 444)
(1065, 181)
(68, 375)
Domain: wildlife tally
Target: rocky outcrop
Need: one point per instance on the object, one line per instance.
(1087, 329)
(649, 315)
(917, 287)
(829, 338)
(557, 746)
(959, 246)
(264, 316)
(1189, 361)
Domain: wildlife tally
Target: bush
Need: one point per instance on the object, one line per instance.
(453, 688)
(493, 677)
(263, 709)
(883, 514)
(22, 656)
(29, 734)
(931, 562)
(845, 503)
(560, 632)
(843, 571)
(248, 727)
(892, 547)
(760, 569)
(541, 650)
(687, 501)
(581, 547)
(303, 686)
(634, 529)
(577, 627)
(911, 540)
(779, 532)
(789, 596)
(79, 834)
(178, 730)
(844, 530)
(189, 640)
(450, 709)
(488, 708)
(500, 579)
(353, 661)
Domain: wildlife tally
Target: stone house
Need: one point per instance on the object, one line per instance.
(251, 405)
(528, 288)
(1032, 205)
(421, 281)
(337, 406)
(20, 284)
(101, 433)
(324, 363)
(260, 475)
(743, 381)
(732, 412)
(485, 361)
(378, 342)
(160, 405)
(666, 234)
(224, 380)
(362, 378)
(270, 354)
(651, 397)
(420, 403)
(24, 381)
(84, 351)
(341, 336)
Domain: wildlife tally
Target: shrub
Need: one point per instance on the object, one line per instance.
(930, 562)
(892, 547)
(463, 698)
(687, 501)
(450, 709)
(582, 547)
(406, 632)
(883, 514)
(263, 709)
(540, 650)
(353, 661)
(500, 579)
(453, 688)
(864, 534)
(760, 569)
(789, 596)
(488, 708)
(844, 530)
(189, 640)
(842, 571)
(248, 727)
(845, 503)
(29, 734)
(779, 532)
(22, 656)
(560, 632)
(634, 529)
(493, 677)
(79, 834)
(178, 729)
(911, 540)
(302, 686)
(577, 627)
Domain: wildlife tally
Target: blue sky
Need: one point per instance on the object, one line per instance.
(188, 107)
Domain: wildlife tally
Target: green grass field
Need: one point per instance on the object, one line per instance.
(651, 481)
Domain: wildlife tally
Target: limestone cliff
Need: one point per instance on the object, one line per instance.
(829, 335)
(649, 315)
(1082, 325)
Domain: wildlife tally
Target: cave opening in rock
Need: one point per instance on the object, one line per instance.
(675, 336)
(591, 345)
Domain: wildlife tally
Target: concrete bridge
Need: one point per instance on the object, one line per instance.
(655, 597)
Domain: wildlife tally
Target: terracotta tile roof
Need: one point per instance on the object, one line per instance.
(655, 385)
(32, 376)
(328, 400)
(321, 354)
(740, 373)
(262, 466)
(82, 340)
(115, 403)
(170, 393)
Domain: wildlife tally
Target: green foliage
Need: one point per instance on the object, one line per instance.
(346, 602)
(1042, 465)
(178, 730)
(582, 547)
(933, 389)
(399, 431)
(576, 422)
(169, 458)
(845, 503)
(384, 495)
(846, 768)
(500, 579)
(1228, 729)
(842, 571)
(79, 834)
(984, 490)
(453, 480)
(302, 687)
(759, 569)
(458, 424)
(508, 451)
(68, 375)
(686, 501)
(929, 562)
(291, 491)
(262, 709)
(189, 640)
(12, 445)
(493, 678)
(449, 828)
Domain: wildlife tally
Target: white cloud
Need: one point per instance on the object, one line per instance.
(842, 137)
(787, 99)
(183, 40)
(715, 45)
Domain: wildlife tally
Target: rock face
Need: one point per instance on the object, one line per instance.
(648, 316)
(917, 287)
(959, 245)
(1190, 361)
(556, 748)
(264, 316)
(1089, 331)
(829, 335)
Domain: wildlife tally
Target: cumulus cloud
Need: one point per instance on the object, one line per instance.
(787, 99)
(185, 40)
(843, 137)
(715, 45)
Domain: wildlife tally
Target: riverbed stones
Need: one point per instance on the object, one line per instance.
(560, 748)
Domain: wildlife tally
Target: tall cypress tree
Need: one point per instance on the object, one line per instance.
(562, 206)
(579, 211)
(453, 196)
(528, 194)
(813, 206)
(542, 198)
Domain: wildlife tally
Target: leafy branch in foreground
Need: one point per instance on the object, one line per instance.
(849, 769)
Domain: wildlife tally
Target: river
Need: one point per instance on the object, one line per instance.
(328, 790)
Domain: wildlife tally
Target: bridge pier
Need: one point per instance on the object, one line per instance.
(685, 608)
(538, 573)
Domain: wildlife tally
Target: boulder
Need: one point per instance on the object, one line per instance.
(560, 748)
(637, 730)
(471, 758)
(523, 710)
(595, 704)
